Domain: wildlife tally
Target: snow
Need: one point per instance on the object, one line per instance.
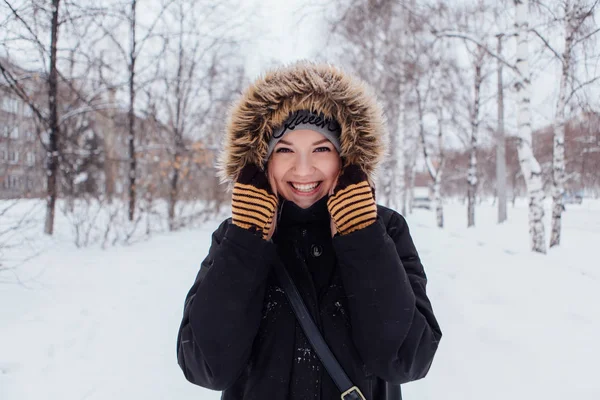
(102, 324)
(80, 178)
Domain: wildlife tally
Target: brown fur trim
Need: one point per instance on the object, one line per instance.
(303, 85)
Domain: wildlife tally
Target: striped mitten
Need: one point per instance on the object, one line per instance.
(253, 202)
(352, 204)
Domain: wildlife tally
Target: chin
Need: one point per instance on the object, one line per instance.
(306, 203)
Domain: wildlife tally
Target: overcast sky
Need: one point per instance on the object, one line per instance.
(289, 30)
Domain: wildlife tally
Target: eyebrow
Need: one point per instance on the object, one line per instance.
(314, 144)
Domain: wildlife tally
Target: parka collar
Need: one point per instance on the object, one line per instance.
(291, 215)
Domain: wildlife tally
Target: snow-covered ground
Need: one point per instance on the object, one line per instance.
(92, 324)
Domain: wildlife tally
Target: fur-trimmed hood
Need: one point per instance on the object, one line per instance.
(321, 88)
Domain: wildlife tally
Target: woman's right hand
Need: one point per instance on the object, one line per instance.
(254, 203)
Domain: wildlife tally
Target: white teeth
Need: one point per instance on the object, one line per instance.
(305, 188)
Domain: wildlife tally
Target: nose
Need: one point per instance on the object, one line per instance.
(303, 165)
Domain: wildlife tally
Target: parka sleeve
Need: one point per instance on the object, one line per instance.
(393, 325)
(223, 308)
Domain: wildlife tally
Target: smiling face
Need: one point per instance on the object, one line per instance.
(303, 167)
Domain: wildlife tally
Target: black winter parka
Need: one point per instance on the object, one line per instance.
(365, 290)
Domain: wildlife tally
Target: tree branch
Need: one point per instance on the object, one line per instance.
(152, 26)
(574, 91)
(464, 36)
(560, 58)
(589, 35)
(27, 27)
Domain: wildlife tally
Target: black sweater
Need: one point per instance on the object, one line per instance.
(365, 290)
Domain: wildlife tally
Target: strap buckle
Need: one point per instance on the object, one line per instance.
(353, 393)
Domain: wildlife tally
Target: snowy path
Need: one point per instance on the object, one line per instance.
(98, 325)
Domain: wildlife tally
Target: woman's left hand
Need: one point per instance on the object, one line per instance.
(351, 202)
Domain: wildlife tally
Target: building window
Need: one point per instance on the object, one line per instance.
(11, 182)
(10, 132)
(10, 105)
(2, 155)
(30, 158)
(13, 157)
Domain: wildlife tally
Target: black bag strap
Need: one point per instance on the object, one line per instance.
(333, 367)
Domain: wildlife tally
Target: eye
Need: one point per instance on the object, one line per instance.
(322, 149)
(283, 150)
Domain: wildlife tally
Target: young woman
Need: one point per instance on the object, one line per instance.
(301, 147)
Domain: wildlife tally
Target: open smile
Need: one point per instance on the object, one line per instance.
(305, 188)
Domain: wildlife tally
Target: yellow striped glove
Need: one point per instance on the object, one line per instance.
(352, 203)
(253, 203)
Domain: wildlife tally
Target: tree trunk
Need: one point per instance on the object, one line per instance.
(394, 193)
(437, 195)
(434, 173)
(411, 182)
(131, 115)
(178, 127)
(437, 184)
(398, 176)
(402, 119)
(404, 166)
(110, 153)
(530, 167)
(558, 148)
(54, 128)
(472, 174)
(173, 194)
(501, 145)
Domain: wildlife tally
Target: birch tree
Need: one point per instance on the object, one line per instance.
(500, 141)
(474, 29)
(578, 28)
(435, 172)
(472, 179)
(371, 36)
(529, 165)
(433, 81)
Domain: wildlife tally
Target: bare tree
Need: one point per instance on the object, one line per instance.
(373, 37)
(27, 26)
(433, 83)
(435, 172)
(529, 165)
(138, 38)
(131, 113)
(49, 118)
(200, 73)
(472, 19)
(577, 19)
(531, 169)
(500, 142)
(475, 119)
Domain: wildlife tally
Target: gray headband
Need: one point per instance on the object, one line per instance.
(305, 119)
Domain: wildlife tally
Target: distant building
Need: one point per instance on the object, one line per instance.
(21, 152)
(95, 151)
